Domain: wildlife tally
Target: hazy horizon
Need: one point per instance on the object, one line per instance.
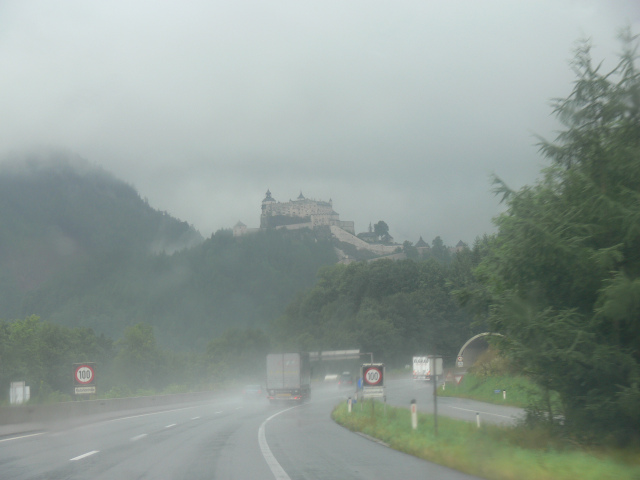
(395, 112)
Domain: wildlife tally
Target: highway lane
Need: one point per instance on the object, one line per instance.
(223, 439)
(400, 392)
(310, 446)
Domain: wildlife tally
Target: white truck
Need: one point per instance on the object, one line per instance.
(288, 377)
(424, 367)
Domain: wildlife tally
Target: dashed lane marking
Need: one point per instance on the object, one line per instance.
(22, 436)
(84, 455)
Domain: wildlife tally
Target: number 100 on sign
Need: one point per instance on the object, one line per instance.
(84, 374)
(372, 376)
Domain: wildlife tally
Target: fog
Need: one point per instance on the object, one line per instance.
(396, 111)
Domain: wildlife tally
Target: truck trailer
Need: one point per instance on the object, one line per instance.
(288, 377)
(425, 367)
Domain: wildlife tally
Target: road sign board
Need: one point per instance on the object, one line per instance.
(373, 392)
(85, 390)
(84, 374)
(373, 375)
(459, 378)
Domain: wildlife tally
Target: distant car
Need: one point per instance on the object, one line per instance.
(345, 381)
(253, 392)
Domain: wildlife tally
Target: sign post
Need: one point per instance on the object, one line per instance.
(414, 415)
(436, 360)
(84, 379)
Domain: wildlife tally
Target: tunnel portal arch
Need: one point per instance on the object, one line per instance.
(474, 347)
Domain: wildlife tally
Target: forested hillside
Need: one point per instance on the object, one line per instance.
(194, 295)
(394, 309)
(79, 247)
(60, 215)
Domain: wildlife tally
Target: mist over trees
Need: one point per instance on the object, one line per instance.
(80, 248)
(395, 309)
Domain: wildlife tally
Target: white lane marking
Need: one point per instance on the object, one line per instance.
(23, 436)
(219, 412)
(138, 437)
(195, 418)
(80, 457)
(368, 437)
(478, 411)
(275, 467)
(169, 426)
(147, 414)
(239, 408)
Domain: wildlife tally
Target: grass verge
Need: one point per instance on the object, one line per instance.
(491, 452)
(519, 391)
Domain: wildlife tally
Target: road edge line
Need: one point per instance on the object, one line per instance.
(274, 465)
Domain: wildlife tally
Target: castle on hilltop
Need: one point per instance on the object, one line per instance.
(306, 213)
(299, 213)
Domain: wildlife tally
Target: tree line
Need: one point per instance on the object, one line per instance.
(561, 278)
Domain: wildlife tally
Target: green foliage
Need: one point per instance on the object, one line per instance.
(563, 272)
(381, 229)
(79, 247)
(394, 309)
(439, 251)
(42, 355)
(410, 251)
(139, 361)
(520, 391)
(492, 452)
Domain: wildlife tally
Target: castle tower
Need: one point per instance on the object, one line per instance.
(267, 200)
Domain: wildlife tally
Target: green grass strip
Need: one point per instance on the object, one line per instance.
(518, 390)
(491, 452)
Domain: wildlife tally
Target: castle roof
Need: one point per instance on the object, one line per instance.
(421, 243)
(461, 244)
(239, 224)
(268, 197)
(300, 197)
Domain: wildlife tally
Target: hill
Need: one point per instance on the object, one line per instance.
(81, 248)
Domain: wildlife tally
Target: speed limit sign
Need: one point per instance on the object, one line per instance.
(372, 375)
(84, 374)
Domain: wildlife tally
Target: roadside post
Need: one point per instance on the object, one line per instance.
(349, 404)
(478, 419)
(414, 414)
(437, 370)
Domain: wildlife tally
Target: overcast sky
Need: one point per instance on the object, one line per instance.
(396, 110)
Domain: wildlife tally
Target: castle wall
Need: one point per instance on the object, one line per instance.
(346, 237)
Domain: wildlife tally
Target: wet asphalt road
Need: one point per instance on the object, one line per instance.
(230, 439)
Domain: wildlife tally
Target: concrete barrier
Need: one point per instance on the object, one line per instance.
(27, 418)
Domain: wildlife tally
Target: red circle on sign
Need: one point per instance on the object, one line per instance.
(84, 374)
(372, 376)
